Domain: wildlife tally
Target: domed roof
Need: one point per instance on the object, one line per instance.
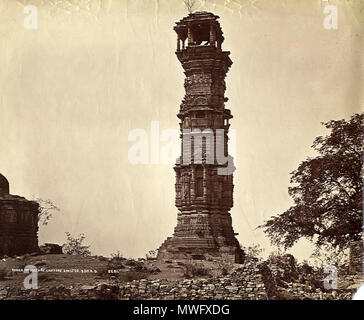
(4, 185)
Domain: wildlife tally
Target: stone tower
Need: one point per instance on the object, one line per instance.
(204, 180)
(18, 223)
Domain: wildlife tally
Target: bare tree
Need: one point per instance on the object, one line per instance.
(45, 211)
(190, 5)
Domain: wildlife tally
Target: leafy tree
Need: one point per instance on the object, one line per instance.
(327, 255)
(74, 245)
(327, 191)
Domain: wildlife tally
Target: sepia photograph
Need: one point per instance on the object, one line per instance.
(181, 156)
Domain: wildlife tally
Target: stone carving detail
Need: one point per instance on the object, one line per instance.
(203, 198)
(201, 101)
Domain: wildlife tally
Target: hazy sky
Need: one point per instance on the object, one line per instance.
(72, 90)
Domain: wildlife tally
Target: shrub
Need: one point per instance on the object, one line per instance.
(117, 258)
(74, 245)
(116, 261)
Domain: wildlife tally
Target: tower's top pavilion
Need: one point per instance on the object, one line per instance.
(200, 27)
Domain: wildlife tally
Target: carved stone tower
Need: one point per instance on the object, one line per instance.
(18, 223)
(204, 180)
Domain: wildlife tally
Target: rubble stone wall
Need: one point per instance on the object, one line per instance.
(356, 257)
(249, 282)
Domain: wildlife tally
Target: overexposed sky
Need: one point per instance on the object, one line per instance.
(73, 89)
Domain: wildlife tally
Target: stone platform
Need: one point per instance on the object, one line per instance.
(203, 237)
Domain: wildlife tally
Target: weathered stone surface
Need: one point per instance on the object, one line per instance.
(243, 284)
(251, 280)
(204, 195)
(18, 223)
(50, 248)
(356, 257)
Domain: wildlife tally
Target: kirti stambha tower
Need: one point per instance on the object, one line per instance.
(204, 180)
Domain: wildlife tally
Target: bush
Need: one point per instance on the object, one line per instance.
(74, 245)
(117, 258)
(116, 262)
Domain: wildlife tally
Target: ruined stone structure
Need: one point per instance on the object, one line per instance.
(356, 255)
(204, 180)
(18, 223)
(248, 282)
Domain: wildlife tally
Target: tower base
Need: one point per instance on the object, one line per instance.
(202, 237)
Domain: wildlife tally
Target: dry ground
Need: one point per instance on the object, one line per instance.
(78, 272)
(74, 271)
